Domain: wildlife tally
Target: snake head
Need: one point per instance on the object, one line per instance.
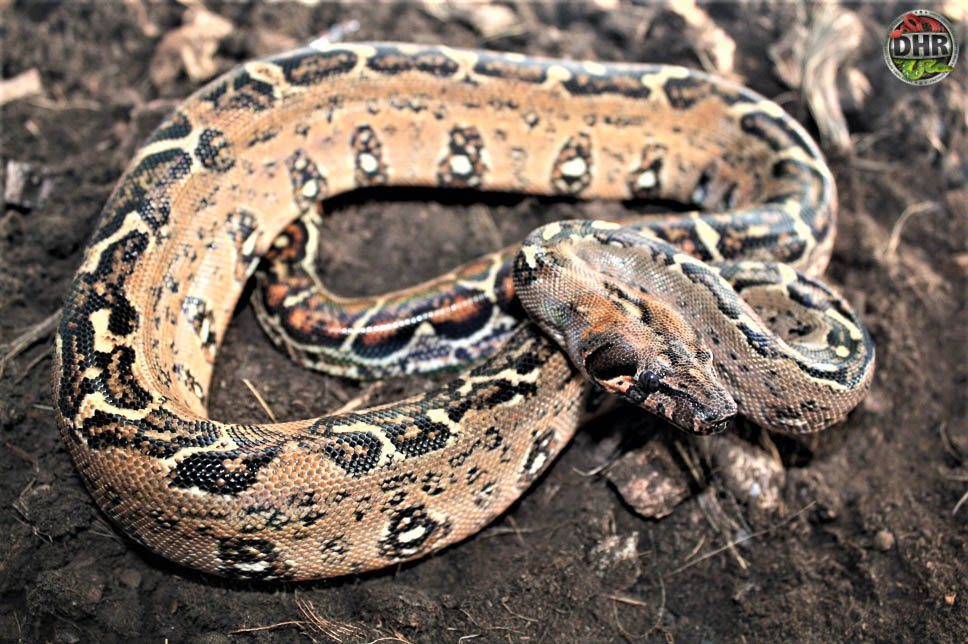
(684, 391)
(648, 354)
(629, 341)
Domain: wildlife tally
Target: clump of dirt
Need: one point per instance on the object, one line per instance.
(871, 543)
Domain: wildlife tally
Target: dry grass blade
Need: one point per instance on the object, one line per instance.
(361, 400)
(265, 406)
(269, 627)
(315, 623)
(736, 542)
(914, 209)
(961, 501)
(331, 629)
(336, 33)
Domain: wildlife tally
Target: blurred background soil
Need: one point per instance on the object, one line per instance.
(867, 538)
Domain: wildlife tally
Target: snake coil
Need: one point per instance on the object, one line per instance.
(255, 150)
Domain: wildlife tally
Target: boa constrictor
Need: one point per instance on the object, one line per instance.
(652, 311)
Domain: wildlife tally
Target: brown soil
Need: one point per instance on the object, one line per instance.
(868, 547)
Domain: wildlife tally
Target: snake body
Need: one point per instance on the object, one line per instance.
(239, 161)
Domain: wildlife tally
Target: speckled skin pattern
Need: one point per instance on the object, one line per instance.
(255, 150)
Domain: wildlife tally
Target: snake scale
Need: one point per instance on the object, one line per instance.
(692, 317)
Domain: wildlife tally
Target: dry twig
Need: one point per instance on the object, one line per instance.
(26, 339)
(736, 542)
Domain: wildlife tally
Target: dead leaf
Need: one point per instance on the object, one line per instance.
(140, 11)
(714, 47)
(267, 41)
(190, 47)
(809, 59)
(489, 20)
(22, 85)
(28, 185)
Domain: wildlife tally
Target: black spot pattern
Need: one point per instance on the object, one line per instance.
(214, 151)
(226, 473)
(149, 178)
(249, 558)
(462, 165)
(539, 457)
(175, 126)
(102, 431)
(762, 344)
(572, 171)
(202, 321)
(493, 64)
(240, 225)
(431, 485)
(645, 182)
(309, 67)
(390, 60)
(90, 293)
(418, 436)
(684, 93)
(241, 92)
(614, 81)
(308, 183)
(726, 300)
(410, 532)
(776, 133)
(369, 168)
(356, 452)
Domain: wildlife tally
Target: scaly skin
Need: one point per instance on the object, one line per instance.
(245, 156)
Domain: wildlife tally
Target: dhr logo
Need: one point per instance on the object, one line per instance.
(921, 48)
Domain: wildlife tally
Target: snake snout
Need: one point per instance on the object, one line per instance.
(714, 421)
(704, 405)
(694, 405)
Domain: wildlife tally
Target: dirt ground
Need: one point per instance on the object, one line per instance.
(868, 545)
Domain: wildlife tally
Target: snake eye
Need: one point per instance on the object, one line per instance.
(609, 361)
(648, 381)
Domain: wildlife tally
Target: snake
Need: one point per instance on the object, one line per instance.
(695, 318)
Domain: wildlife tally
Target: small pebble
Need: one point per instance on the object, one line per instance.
(751, 474)
(23, 85)
(616, 558)
(613, 549)
(67, 637)
(28, 184)
(130, 577)
(650, 481)
(492, 20)
(884, 540)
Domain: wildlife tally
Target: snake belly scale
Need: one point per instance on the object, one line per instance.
(244, 157)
